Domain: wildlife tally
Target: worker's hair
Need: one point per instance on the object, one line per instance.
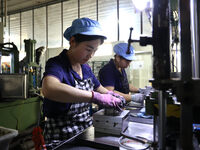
(81, 38)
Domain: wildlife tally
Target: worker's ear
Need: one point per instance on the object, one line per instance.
(117, 57)
(72, 41)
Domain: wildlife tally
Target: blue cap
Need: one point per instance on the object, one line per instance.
(84, 26)
(121, 49)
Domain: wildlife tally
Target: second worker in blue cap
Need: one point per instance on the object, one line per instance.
(113, 75)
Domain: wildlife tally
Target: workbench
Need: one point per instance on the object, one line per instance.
(90, 139)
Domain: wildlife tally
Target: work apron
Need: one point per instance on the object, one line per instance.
(125, 84)
(74, 121)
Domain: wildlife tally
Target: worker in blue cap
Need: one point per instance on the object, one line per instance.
(69, 86)
(113, 75)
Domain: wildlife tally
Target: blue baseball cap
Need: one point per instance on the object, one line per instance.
(84, 26)
(121, 49)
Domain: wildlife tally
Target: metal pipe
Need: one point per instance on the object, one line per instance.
(1, 22)
(186, 126)
(162, 117)
(161, 57)
(195, 39)
(198, 24)
(20, 30)
(62, 24)
(118, 25)
(5, 12)
(97, 9)
(78, 8)
(185, 39)
(1, 10)
(141, 22)
(33, 24)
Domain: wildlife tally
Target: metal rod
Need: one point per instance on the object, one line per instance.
(198, 28)
(5, 12)
(162, 118)
(1, 22)
(62, 24)
(185, 39)
(186, 126)
(154, 128)
(195, 39)
(97, 9)
(33, 29)
(161, 63)
(1, 10)
(118, 33)
(129, 41)
(78, 8)
(20, 30)
(47, 27)
(9, 28)
(141, 22)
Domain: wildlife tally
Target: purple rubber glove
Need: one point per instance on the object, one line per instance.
(106, 100)
(118, 96)
(114, 94)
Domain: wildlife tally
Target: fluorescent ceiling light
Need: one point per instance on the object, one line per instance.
(142, 4)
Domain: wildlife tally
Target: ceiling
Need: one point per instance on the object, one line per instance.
(14, 6)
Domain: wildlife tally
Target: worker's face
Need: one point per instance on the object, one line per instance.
(122, 62)
(83, 51)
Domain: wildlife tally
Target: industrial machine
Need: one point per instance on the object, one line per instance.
(25, 75)
(177, 24)
(19, 91)
(19, 86)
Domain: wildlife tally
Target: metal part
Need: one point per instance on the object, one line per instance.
(112, 124)
(186, 73)
(129, 41)
(31, 68)
(185, 39)
(13, 86)
(1, 22)
(30, 50)
(8, 49)
(195, 38)
(162, 122)
(161, 64)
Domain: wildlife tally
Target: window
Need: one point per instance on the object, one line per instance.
(6, 30)
(54, 25)
(40, 27)
(107, 12)
(27, 27)
(70, 12)
(128, 18)
(15, 29)
(88, 9)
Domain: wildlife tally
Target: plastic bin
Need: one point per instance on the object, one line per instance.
(6, 136)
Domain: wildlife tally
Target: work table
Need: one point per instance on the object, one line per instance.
(98, 140)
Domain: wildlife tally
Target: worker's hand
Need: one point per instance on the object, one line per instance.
(146, 91)
(106, 100)
(118, 96)
(139, 98)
